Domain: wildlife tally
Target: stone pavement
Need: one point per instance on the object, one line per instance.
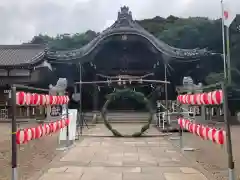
(102, 158)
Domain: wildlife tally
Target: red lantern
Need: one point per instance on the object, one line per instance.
(47, 129)
(33, 133)
(54, 126)
(38, 131)
(220, 137)
(47, 99)
(180, 122)
(184, 99)
(67, 121)
(201, 131)
(20, 98)
(211, 134)
(209, 94)
(20, 136)
(44, 131)
(204, 98)
(51, 100)
(217, 97)
(29, 134)
(36, 100)
(28, 98)
(43, 97)
(51, 127)
(188, 98)
(191, 100)
(191, 128)
(179, 98)
(54, 100)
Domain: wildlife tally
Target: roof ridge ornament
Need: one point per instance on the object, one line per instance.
(124, 13)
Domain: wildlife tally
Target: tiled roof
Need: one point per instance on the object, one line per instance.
(20, 55)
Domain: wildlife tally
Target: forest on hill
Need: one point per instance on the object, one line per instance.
(188, 33)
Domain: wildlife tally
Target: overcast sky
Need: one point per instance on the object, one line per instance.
(22, 19)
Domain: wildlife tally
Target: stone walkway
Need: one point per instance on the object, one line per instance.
(103, 158)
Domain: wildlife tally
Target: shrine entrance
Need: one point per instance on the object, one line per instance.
(125, 49)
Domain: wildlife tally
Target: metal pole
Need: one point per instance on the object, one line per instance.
(80, 95)
(166, 94)
(228, 132)
(228, 56)
(223, 41)
(67, 131)
(14, 130)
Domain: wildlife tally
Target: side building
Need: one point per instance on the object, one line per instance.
(22, 64)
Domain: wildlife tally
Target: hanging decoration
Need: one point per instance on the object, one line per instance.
(127, 93)
(209, 98)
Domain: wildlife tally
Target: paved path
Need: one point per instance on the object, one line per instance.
(103, 158)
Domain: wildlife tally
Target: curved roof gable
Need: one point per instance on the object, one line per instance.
(126, 25)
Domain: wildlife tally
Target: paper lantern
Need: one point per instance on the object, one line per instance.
(180, 122)
(50, 99)
(204, 98)
(209, 98)
(20, 136)
(191, 101)
(29, 134)
(47, 99)
(21, 98)
(201, 131)
(48, 130)
(220, 137)
(38, 131)
(188, 96)
(33, 133)
(44, 131)
(54, 102)
(211, 134)
(36, 100)
(179, 98)
(67, 121)
(54, 126)
(184, 99)
(28, 98)
(217, 97)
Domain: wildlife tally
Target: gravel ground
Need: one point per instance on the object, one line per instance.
(32, 157)
(211, 156)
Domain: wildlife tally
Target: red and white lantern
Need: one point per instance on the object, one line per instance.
(209, 98)
(54, 127)
(50, 99)
(67, 121)
(220, 137)
(28, 99)
(54, 100)
(20, 98)
(180, 122)
(217, 97)
(47, 97)
(21, 136)
(36, 100)
(48, 129)
(38, 131)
